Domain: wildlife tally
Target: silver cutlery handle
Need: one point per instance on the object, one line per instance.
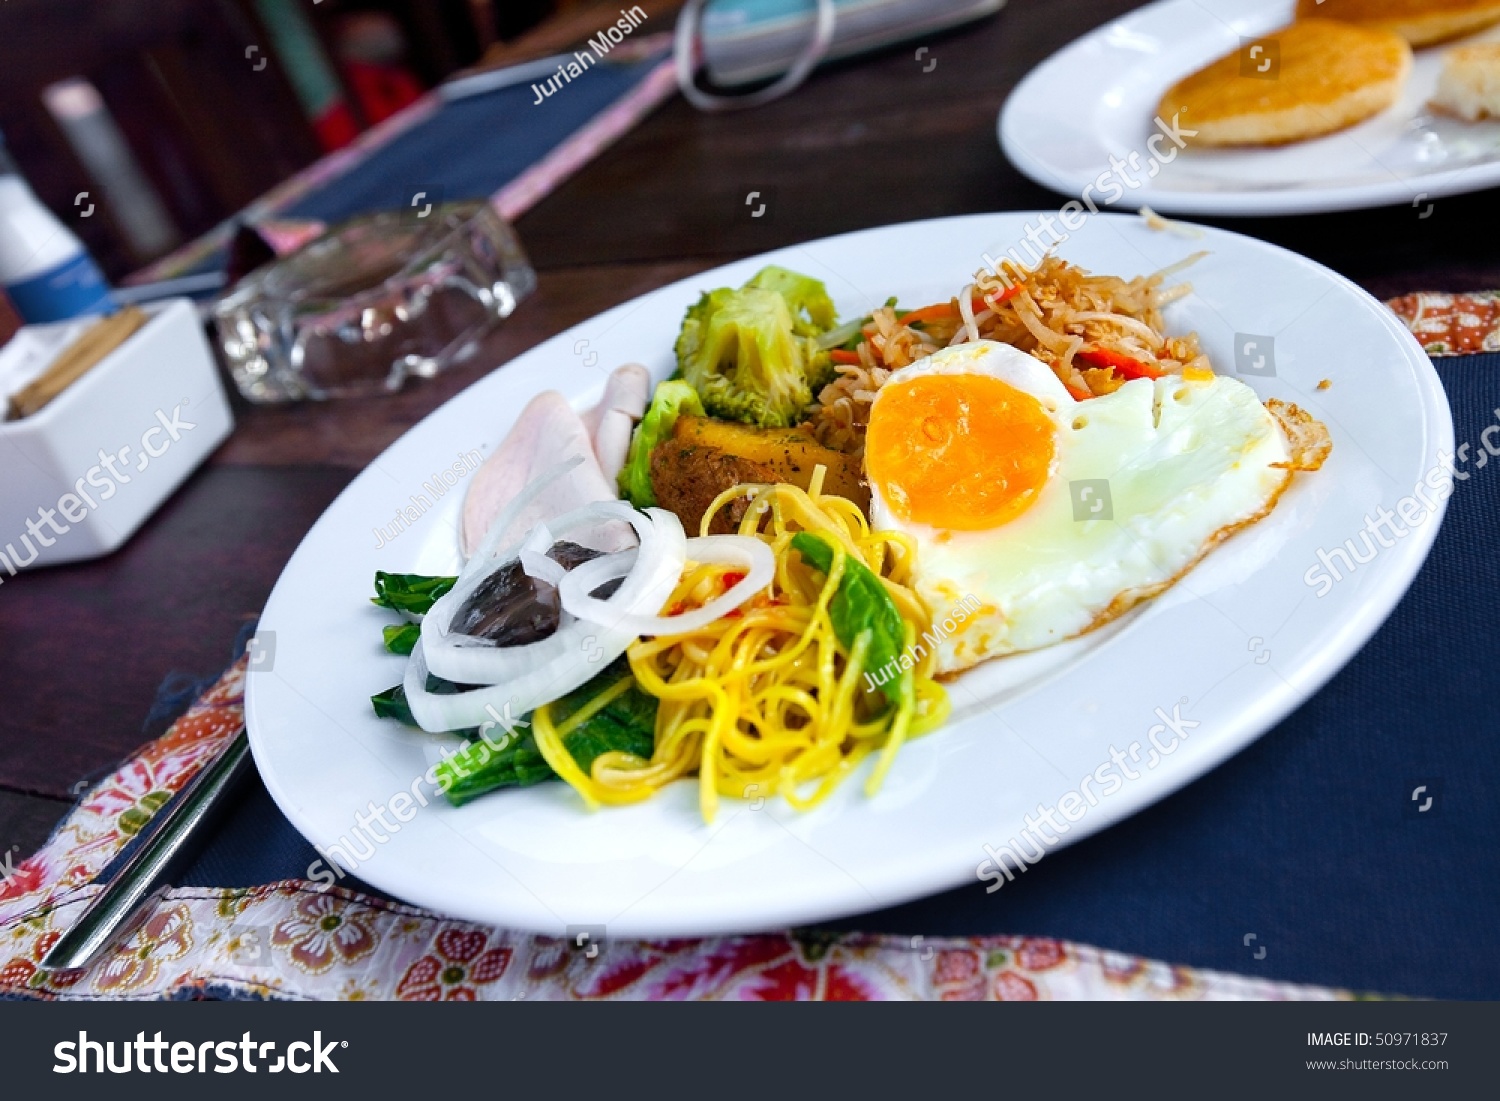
(162, 853)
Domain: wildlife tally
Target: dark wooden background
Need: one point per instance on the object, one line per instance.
(863, 144)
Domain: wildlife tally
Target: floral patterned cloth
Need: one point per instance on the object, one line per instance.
(301, 940)
(1452, 324)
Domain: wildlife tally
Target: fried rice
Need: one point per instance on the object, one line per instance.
(1096, 332)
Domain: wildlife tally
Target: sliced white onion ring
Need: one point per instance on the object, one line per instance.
(498, 704)
(517, 679)
(534, 558)
(729, 550)
(466, 660)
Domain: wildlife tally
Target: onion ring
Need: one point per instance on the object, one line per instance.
(534, 558)
(732, 550)
(517, 679)
(466, 660)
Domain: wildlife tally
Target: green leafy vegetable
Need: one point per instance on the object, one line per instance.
(753, 354)
(401, 638)
(860, 604)
(391, 704)
(412, 593)
(477, 769)
(626, 722)
(671, 400)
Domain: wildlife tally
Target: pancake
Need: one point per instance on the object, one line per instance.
(1420, 22)
(1470, 85)
(1321, 76)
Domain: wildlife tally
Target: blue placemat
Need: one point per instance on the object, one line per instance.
(1309, 839)
(472, 147)
(469, 148)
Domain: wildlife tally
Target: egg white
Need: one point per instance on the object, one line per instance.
(1184, 463)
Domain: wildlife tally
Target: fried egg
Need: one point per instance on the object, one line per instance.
(1038, 517)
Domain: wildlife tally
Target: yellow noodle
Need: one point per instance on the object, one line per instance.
(768, 701)
(556, 754)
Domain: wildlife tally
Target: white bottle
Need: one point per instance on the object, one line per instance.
(47, 273)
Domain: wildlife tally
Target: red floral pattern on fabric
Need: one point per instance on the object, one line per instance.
(956, 966)
(1040, 955)
(460, 963)
(614, 976)
(27, 879)
(166, 936)
(1013, 987)
(127, 800)
(60, 980)
(712, 970)
(549, 958)
(1452, 324)
(17, 973)
(975, 991)
(786, 982)
(323, 930)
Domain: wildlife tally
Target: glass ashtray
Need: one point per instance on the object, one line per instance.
(372, 302)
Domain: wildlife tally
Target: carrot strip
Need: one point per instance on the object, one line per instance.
(1128, 366)
(1005, 296)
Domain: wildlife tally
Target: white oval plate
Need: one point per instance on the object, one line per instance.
(1097, 98)
(1237, 645)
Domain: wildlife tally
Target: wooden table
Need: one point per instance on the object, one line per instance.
(863, 144)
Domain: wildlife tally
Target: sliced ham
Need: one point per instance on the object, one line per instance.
(549, 432)
(611, 422)
(627, 391)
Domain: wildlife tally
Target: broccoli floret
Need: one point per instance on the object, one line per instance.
(807, 299)
(671, 400)
(752, 354)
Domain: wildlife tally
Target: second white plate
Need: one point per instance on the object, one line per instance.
(1083, 120)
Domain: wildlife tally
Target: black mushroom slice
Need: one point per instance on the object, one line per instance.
(510, 608)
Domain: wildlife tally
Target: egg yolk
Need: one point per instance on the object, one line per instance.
(963, 452)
